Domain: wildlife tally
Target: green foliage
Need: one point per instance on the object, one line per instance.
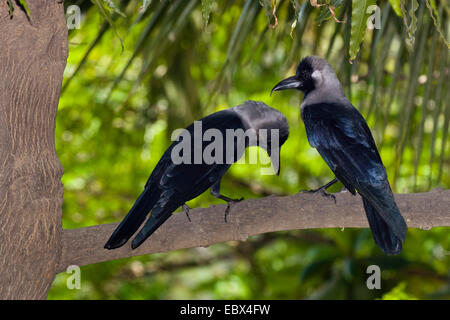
(431, 5)
(118, 110)
(412, 26)
(107, 16)
(297, 14)
(358, 24)
(111, 5)
(270, 7)
(398, 293)
(23, 4)
(327, 11)
(206, 10)
(395, 4)
(11, 8)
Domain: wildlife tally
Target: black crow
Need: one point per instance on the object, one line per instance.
(341, 135)
(183, 174)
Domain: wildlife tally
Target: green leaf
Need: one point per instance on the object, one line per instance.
(412, 14)
(107, 17)
(145, 5)
(270, 8)
(359, 25)
(206, 10)
(412, 27)
(325, 12)
(431, 5)
(298, 13)
(11, 8)
(398, 293)
(395, 4)
(24, 5)
(111, 5)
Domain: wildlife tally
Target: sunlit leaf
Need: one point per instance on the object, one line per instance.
(398, 293)
(24, 5)
(358, 25)
(299, 11)
(395, 4)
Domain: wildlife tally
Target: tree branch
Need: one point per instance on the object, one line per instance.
(255, 216)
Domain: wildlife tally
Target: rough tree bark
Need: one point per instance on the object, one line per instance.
(33, 54)
(33, 245)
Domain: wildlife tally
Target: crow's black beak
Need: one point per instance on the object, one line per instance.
(288, 83)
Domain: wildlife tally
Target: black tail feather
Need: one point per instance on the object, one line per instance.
(382, 234)
(156, 219)
(131, 223)
(382, 203)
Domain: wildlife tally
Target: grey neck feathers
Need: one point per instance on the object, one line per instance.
(329, 90)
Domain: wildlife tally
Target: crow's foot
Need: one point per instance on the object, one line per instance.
(322, 191)
(186, 209)
(227, 210)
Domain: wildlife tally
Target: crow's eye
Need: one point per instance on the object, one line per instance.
(305, 75)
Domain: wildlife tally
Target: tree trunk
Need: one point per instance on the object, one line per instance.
(33, 54)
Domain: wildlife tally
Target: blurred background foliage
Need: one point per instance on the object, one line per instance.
(184, 59)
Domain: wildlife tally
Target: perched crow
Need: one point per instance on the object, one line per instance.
(174, 182)
(341, 136)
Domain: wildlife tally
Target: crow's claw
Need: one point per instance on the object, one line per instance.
(186, 209)
(227, 210)
(322, 191)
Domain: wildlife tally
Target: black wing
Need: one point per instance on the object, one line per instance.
(170, 185)
(189, 180)
(343, 139)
